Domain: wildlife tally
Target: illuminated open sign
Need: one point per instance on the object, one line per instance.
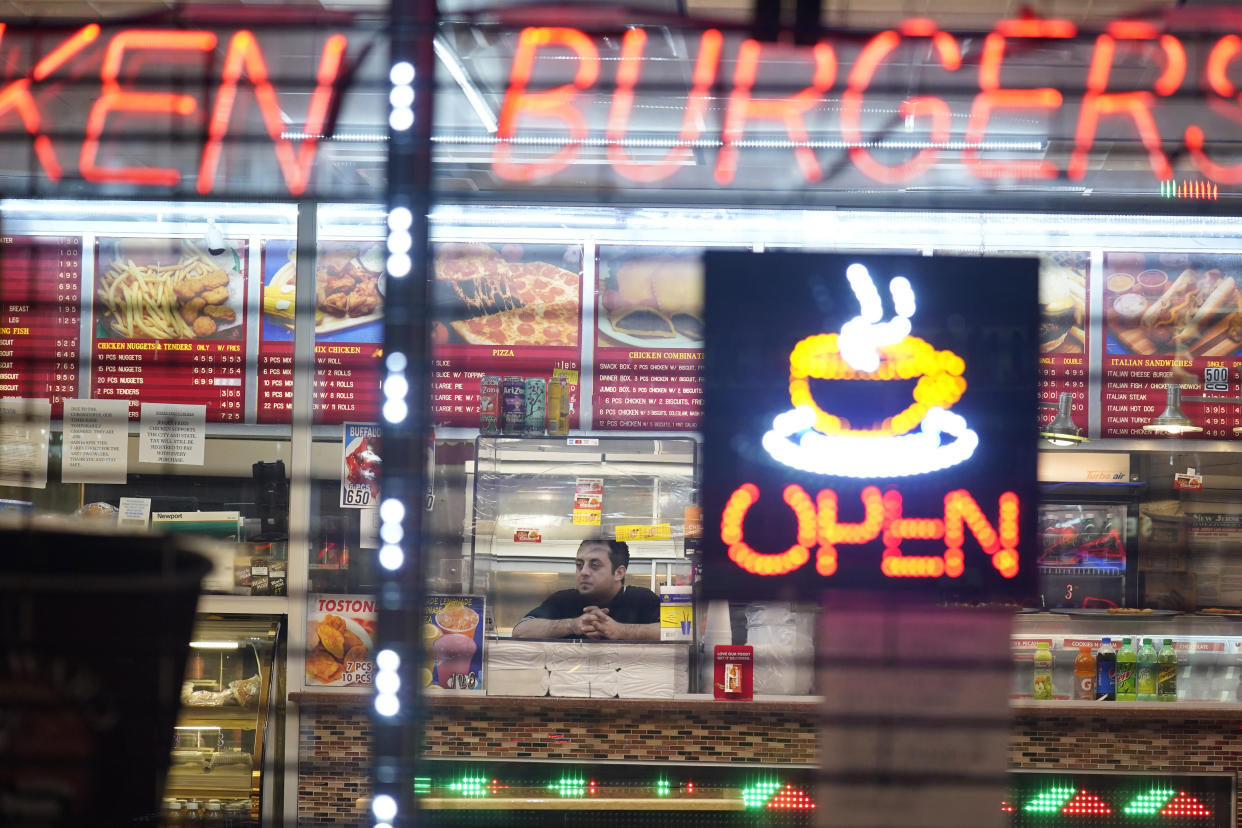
(162, 108)
(847, 451)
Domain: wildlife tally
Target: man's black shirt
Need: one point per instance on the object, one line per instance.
(632, 605)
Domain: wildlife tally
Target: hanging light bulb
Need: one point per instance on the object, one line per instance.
(1173, 420)
(1062, 431)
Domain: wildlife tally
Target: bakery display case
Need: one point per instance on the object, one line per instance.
(534, 500)
(229, 729)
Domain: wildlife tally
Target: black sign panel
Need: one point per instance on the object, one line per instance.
(870, 423)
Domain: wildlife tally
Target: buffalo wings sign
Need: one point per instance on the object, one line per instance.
(869, 424)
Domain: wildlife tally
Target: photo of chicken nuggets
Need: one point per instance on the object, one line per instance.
(221, 313)
(338, 651)
(203, 326)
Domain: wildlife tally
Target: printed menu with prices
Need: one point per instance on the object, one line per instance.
(649, 339)
(349, 327)
(1170, 319)
(170, 325)
(40, 301)
(340, 640)
(503, 310)
(361, 461)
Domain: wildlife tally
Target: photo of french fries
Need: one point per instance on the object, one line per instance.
(165, 289)
(1172, 303)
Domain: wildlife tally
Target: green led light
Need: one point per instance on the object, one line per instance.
(470, 786)
(662, 787)
(569, 786)
(1148, 803)
(422, 785)
(758, 794)
(1168, 188)
(1049, 801)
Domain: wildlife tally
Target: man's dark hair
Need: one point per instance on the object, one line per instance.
(618, 552)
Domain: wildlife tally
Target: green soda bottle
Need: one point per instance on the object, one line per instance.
(1127, 667)
(1042, 688)
(1147, 672)
(1166, 673)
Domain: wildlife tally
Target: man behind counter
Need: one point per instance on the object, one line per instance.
(602, 606)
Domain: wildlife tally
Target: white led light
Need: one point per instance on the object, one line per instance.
(392, 510)
(395, 411)
(391, 557)
(396, 387)
(401, 74)
(401, 97)
(391, 532)
(401, 119)
(387, 660)
(399, 265)
(386, 704)
(400, 219)
(396, 362)
(863, 336)
(382, 825)
(384, 806)
(399, 241)
(387, 681)
(792, 442)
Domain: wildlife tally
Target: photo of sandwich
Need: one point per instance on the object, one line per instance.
(650, 297)
(1173, 304)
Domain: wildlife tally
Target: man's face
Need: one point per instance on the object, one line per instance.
(596, 577)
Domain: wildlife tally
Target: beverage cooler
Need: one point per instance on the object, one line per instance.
(1082, 555)
(230, 730)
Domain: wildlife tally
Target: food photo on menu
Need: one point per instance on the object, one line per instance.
(1172, 303)
(1063, 302)
(650, 297)
(507, 294)
(349, 291)
(169, 289)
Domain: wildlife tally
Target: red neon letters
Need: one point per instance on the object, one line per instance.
(1099, 102)
(122, 56)
(816, 524)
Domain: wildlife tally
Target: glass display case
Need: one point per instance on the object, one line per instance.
(1082, 555)
(228, 727)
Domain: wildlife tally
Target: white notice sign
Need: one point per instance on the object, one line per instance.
(368, 528)
(24, 429)
(135, 511)
(172, 434)
(96, 441)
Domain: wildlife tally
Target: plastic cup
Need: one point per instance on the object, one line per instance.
(458, 618)
(454, 652)
(1153, 282)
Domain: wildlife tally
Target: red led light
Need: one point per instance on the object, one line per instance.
(1086, 803)
(495, 787)
(790, 798)
(1006, 808)
(1185, 805)
(689, 787)
(591, 787)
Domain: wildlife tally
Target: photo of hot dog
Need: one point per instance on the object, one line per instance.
(1198, 312)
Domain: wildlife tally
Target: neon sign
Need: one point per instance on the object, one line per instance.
(869, 479)
(846, 78)
(129, 66)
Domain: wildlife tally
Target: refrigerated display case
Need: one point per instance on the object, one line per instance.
(229, 729)
(1082, 555)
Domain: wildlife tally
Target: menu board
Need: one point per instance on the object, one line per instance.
(170, 325)
(1170, 318)
(40, 298)
(349, 327)
(1063, 333)
(511, 310)
(649, 338)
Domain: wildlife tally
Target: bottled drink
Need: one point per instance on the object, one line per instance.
(1166, 673)
(192, 815)
(1127, 667)
(1084, 675)
(1043, 671)
(1106, 672)
(1147, 672)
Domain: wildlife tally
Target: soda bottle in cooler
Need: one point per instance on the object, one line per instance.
(1127, 667)
(1042, 688)
(1084, 675)
(1147, 672)
(1106, 672)
(1166, 673)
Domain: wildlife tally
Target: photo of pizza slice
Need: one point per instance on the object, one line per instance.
(548, 325)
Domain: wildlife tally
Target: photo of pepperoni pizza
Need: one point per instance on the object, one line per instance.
(514, 295)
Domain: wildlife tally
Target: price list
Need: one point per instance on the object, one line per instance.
(1133, 391)
(346, 383)
(188, 373)
(1060, 374)
(457, 370)
(40, 302)
(648, 390)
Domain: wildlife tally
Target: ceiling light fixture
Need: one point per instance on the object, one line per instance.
(1062, 431)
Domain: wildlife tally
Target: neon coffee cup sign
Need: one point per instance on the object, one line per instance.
(868, 451)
